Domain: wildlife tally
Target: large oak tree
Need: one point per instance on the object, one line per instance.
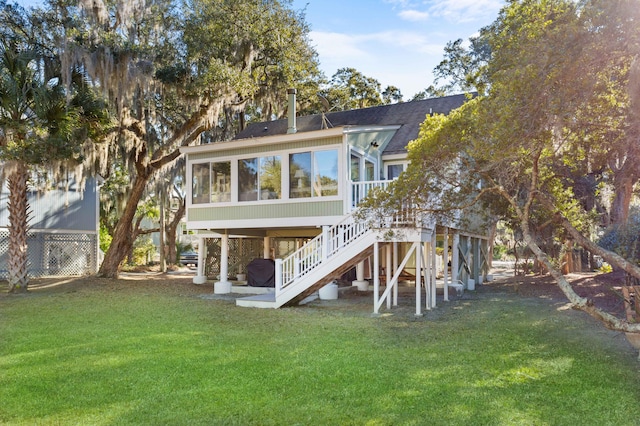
(561, 103)
(175, 72)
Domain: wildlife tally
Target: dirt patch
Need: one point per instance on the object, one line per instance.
(605, 290)
(173, 283)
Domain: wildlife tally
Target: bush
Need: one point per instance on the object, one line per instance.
(500, 251)
(105, 239)
(623, 239)
(143, 250)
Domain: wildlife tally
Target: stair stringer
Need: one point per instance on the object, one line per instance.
(329, 270)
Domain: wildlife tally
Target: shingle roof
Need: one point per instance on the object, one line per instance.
(409, 115)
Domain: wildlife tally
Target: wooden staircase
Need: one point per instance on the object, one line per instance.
(322, 260)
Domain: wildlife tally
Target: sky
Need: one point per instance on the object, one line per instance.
(397, 42)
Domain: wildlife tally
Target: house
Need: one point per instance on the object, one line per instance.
(286, 190)
(63, 238)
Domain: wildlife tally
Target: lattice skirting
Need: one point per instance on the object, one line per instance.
(55, 254)
(241, 252)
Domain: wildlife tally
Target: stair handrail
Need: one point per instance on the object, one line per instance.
(329, 242)
(335, 238)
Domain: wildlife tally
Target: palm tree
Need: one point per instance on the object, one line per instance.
(44, 122)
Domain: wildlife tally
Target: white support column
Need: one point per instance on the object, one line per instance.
(360, 282)
(426, 272)
(455, 258)
(471, 279)
(223, 286)
(445, 261)
(434, 269)
(266, 248)
(395, 269)
(418, 258)
(325, 242)
(201, 278)
(387, 268)
(278, 277)
(376, 276)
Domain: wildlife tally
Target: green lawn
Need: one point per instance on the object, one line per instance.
(137, 357)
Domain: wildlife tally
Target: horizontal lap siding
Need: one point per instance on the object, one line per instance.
(251, 150)
(273, 211)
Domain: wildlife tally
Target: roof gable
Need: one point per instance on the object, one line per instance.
(407, 115)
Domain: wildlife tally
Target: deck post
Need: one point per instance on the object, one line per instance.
(445, 261)
(325, 242)
(387, 268)
(395, 269)
(455, 258)
(278, 277)
(418, 258)
(360, 282)
(376, 276)
(426, 275)
(266, 248)
(201, 278)
(434, 268)
(223, 286)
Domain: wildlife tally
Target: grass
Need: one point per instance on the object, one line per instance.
(133, 357)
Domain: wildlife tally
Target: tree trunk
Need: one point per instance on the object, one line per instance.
(123, 237)
(576, 301)
(623, 189)
(614, 259)
(18, 228)
(172, 230)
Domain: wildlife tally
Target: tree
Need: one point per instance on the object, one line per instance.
(43, 123)
(350, 89)
(516, 150)
(171, 74)
(391, 95)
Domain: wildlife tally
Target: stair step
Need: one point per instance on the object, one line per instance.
(258, 301)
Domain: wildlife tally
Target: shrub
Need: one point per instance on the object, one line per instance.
(624, 239)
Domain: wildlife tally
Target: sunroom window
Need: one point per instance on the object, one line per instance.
(259, 178)
(211, 182)
(313, 174)
(201, 183)
(221, 182)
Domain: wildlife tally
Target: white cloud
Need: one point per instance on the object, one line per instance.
(453, 10)
(414, 15)
(465, 10)
(335, 46)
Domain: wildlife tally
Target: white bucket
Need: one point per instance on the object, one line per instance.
(471, 284)
(329, 292)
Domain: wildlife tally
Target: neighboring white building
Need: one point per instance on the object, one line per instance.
(286, 190)
(64, 231)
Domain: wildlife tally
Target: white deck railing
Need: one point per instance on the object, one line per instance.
(335, 238)
(314, 252)
(358, 191)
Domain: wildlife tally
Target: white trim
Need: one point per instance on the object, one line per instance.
(261, 223)
(56, 231)
(262, 140)
(369, 129)
(395, 157)
(386, 164)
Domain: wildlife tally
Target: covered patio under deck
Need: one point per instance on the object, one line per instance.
(448, 260)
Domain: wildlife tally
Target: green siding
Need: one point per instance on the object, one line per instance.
(238, 149)
(271, 211)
